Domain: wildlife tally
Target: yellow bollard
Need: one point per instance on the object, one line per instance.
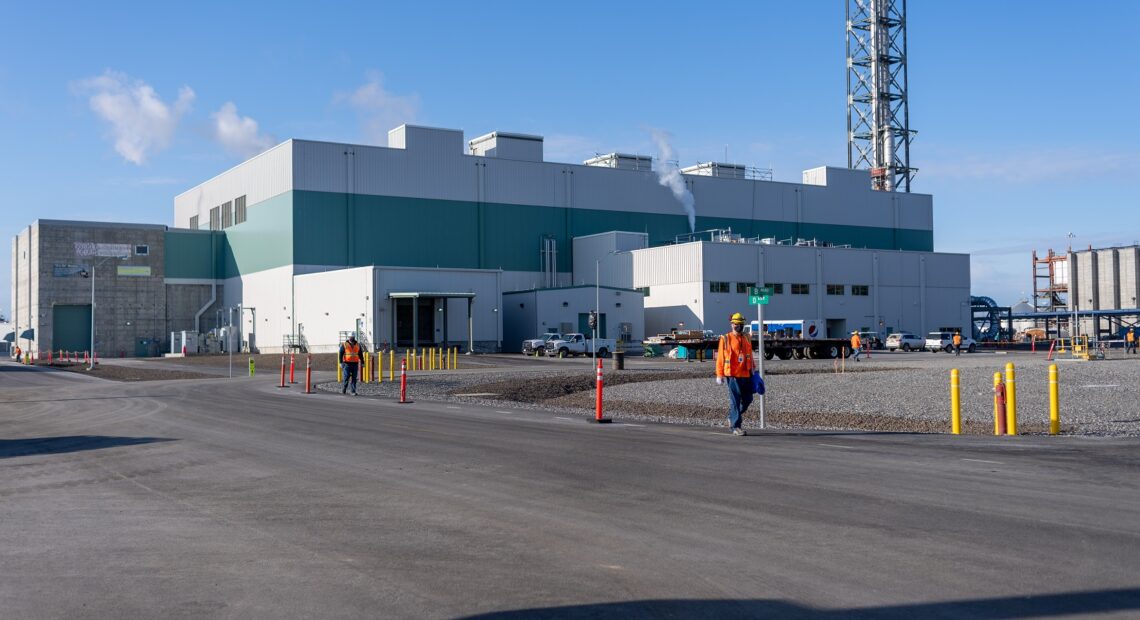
(955, 404)
(339, 371)
(379, 367)
(999, 409)
(364, 367)
(391, 363)
(1010, 400)
(1054, 408)
(454, 358)
(413, 364)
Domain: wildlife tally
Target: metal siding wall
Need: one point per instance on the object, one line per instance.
(260, 178)
(1129, 273)
(265, 240)
(667, 265)
(1107, 280)
(192, 254)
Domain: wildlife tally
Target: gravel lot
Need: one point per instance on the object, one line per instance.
(890, 392)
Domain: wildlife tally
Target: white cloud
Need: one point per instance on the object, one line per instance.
(1029, 165)
(142, 124)
(380, 110)
(239, 134)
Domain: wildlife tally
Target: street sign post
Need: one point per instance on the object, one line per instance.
(758, 296)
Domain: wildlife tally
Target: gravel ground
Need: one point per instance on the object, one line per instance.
(890, 392)
(121, 372)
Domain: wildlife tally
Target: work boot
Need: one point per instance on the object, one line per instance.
(740, 432)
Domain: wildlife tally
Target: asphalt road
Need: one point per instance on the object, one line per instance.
(232, 498)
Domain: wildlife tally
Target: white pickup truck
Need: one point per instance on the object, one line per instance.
(580, 344)
(537, 346)
(944, 341)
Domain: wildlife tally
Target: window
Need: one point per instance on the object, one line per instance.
(216, 218)
(835, 289)
(142, 250)
(227, 215)
(861, 290)
(742, 287)
(801, 289)
(239, 209)
(644, 290)
(718, 287)
(777, 287)
(194, 223)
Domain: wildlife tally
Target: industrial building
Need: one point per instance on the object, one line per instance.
(1095, 288)
(145, 280)
(423, 242)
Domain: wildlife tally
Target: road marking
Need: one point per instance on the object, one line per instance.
(504, 412)
(637, 425)
(984, 461)
(478, 394)
(1107, 385)
(832, 445)
(562, 418)
(452, 407)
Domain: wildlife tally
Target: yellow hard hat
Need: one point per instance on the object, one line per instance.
(737, 318)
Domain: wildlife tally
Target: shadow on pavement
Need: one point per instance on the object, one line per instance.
(1035, 606)
(10, 448)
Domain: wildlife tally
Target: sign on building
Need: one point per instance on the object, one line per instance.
(115, 250)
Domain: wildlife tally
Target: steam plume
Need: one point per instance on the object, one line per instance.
(669, 175)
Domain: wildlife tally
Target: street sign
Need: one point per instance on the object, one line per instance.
(754, 300)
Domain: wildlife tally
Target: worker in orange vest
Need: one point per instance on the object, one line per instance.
(1130, 341)
(957, 343)
(734, 366)
(19, 358)
(349, 358)
(856, 345)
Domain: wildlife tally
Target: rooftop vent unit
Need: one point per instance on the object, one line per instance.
(715, 169)
(504, 145)
(621, 161)
(728, 171)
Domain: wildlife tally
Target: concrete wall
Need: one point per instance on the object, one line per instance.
(131, 303)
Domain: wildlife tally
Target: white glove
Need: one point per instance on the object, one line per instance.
(720, 380)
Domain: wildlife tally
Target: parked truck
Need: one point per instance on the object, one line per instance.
(580, 344)
(537, 346)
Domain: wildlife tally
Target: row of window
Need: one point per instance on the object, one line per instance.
(224, 215)
(859, 290)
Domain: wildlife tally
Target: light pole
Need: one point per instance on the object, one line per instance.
(91, 274)
(1071, 259)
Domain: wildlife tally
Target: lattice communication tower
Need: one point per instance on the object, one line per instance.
(878, 116)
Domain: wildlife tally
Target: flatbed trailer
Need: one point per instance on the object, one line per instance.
(778, 348)
(805, 348)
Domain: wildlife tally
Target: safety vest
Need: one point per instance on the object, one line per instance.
(351, 353)
(957, 339)
(734, 356)
(855, 341)
(1131, 336)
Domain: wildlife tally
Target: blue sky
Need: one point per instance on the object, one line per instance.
(1025, 111)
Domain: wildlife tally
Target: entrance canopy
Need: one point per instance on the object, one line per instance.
(418, 294)
(415, 325)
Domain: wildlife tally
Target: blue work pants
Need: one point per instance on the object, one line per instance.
(739, 398)
(349, 374)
